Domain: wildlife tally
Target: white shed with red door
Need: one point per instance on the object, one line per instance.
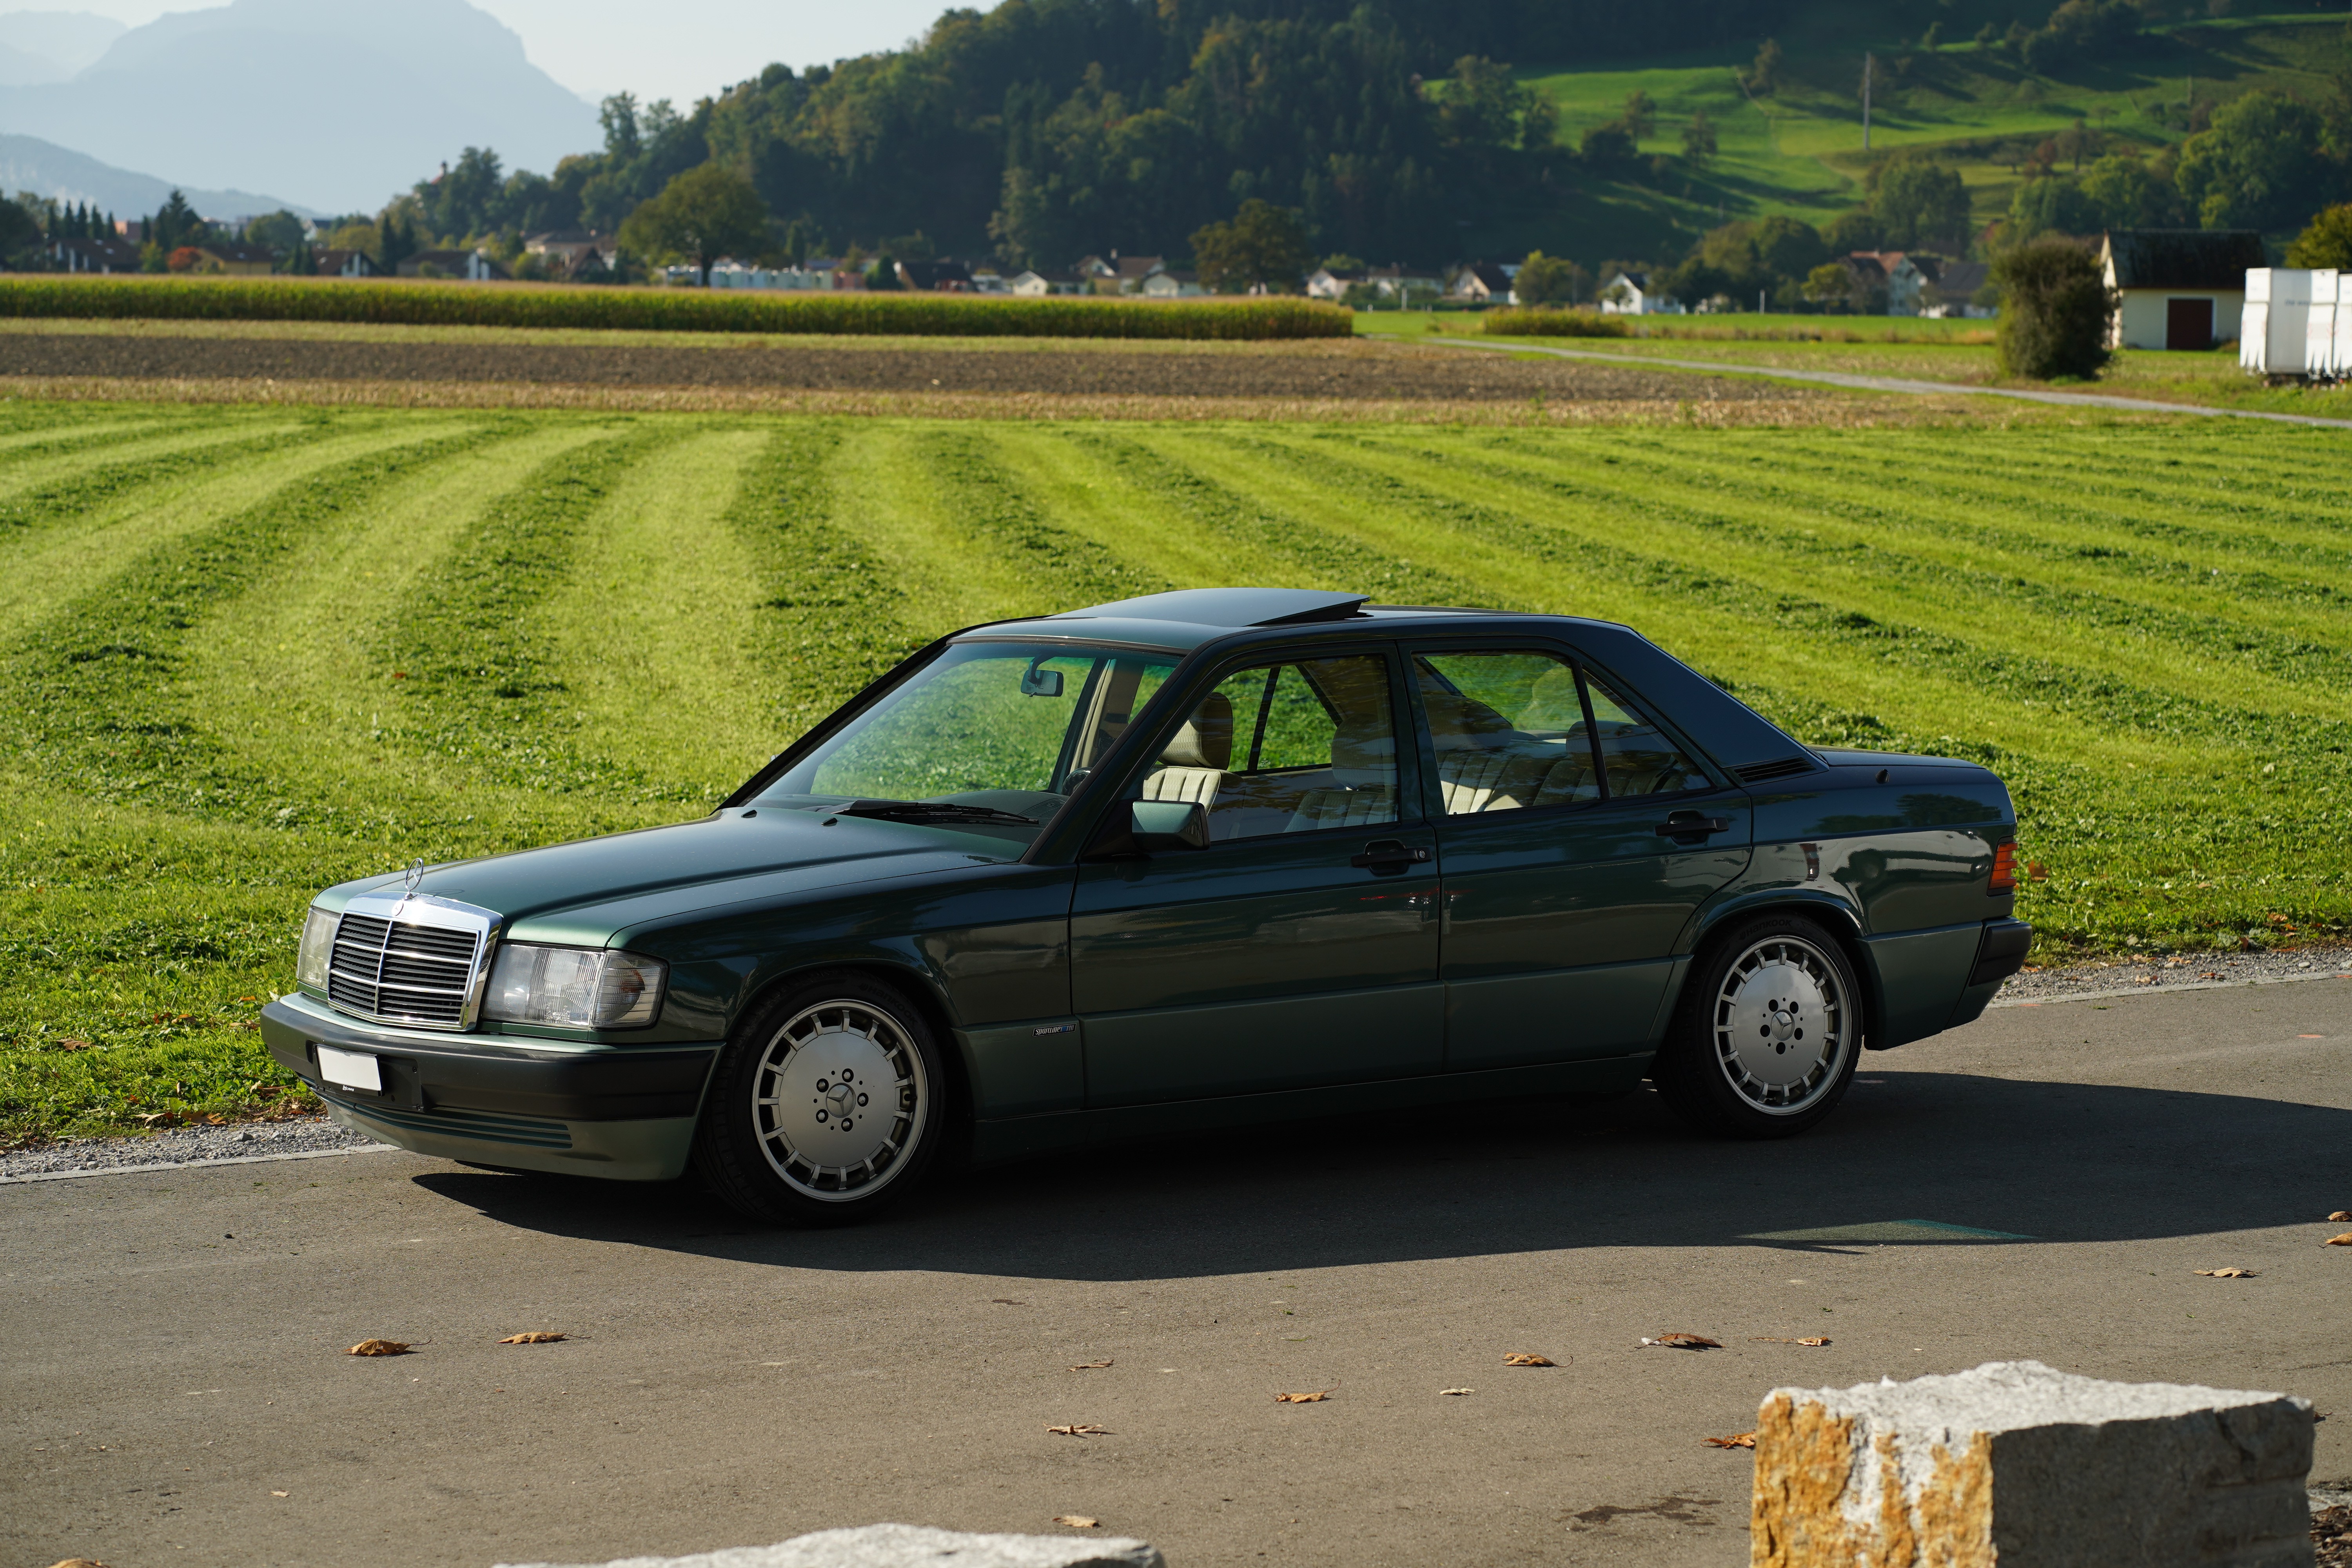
(2177, 288)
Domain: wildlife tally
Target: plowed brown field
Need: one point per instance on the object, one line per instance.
(1366, 372)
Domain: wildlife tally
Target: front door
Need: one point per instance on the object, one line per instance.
(2188, 323)
(1300, 947)
(1577, 842)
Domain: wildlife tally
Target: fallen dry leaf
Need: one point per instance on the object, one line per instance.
(280, 1494)
(1736, 1440)
(2227, 1273)
(536, 1337)
(380, 1347)
(2343, 1240)
(2341, 1214)
(1816, 1340)
(1079, 1429)
(1076, 1521)
(1457, 1391)
(1686, 1343)
(82, 1563)
(1521, 1358)
(1316, 1398)
(1090, 1366)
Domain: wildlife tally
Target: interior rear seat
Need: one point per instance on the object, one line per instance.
(1363, 791)
(1194, 762)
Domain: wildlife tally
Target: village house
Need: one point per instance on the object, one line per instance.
(1629, 294)
(2179, 288)
(470, 265)
(1903, 277)
(1401, 285)
(1325, 284)
(1032, 284)
(936, 277)
(1165, 284)
(99, 255)
(1953, 292)
(238, 260)
(345, 264)
(1487, 283)
(563, 250)
(1120, 274)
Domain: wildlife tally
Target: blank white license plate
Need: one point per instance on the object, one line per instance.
(349, 1069)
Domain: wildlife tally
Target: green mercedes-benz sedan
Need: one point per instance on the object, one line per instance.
(1204, 857)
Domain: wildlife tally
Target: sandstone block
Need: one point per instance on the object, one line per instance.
(907, 1546)
(2018, 1465)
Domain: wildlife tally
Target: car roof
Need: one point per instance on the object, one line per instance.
(1187, 618)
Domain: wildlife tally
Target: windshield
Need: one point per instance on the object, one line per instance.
(993, 736)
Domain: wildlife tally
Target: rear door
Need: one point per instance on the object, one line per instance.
(1300, 947)
(1578, 839)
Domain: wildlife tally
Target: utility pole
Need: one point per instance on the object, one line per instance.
(1866, 63)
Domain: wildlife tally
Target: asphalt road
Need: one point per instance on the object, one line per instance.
(172, 1388)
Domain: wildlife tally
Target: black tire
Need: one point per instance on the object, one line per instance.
(1767, 1034)
(791, 1133)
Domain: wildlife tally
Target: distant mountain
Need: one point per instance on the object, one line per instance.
(339, 103)
(29, 164)
(50, 45)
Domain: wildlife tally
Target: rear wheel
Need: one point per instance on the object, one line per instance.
(826, 1105)
(1765, 1039)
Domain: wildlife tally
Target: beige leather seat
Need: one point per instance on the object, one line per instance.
(1192, 765)
(1363, 791)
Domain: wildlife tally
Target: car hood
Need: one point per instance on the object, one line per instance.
(592, 890)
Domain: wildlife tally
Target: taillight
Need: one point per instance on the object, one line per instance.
(2004, 870)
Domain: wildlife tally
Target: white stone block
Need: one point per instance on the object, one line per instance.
(2022, 1466)
(908, 1546)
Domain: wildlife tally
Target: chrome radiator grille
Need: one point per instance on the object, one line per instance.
(407, 969)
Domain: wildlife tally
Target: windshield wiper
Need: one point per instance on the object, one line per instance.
(951, 810)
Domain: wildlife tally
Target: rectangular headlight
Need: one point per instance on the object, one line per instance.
(575, 987)
(318, 950)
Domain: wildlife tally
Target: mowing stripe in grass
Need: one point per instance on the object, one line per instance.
(98, 702)
(70, 488)
(482, 679)
(291, 676)
(78, 557)
(1042, 568)
(1083, 491)
(654, 629)
(884, 497)
(1998, 614)
(2038, 515)
(1181, 469)
(833, 612)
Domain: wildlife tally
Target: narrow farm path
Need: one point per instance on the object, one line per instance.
(1926, 388)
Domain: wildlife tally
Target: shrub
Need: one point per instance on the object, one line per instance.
(1523, 323)
(404, 302)
(2055, 307)
(2326, 241)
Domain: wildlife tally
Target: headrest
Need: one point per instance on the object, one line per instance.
(1360, 761)
(1206, 740)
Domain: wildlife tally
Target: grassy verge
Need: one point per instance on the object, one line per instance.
(250, 652)
(407, 304)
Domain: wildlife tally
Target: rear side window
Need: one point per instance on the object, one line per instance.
(1636, 758)
(1519, 728)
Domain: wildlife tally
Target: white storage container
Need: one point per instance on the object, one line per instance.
(2273, 334)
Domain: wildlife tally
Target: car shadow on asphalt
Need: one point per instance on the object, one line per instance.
(1911, 1158)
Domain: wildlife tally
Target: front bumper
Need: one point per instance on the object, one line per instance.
(625, 1113)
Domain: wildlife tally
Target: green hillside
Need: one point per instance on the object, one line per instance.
(1797, 152)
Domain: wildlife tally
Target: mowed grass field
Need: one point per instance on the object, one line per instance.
(251, 651)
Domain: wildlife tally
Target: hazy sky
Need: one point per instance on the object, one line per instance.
(677, 51)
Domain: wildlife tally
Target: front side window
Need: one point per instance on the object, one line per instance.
(1004, 728)
(1525, 728)
(1285, 747)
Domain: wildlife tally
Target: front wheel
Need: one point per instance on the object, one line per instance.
(1766, 1036)
(826, 1105)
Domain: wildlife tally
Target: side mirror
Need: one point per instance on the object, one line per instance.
(1157, 825)
(1036, 682)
